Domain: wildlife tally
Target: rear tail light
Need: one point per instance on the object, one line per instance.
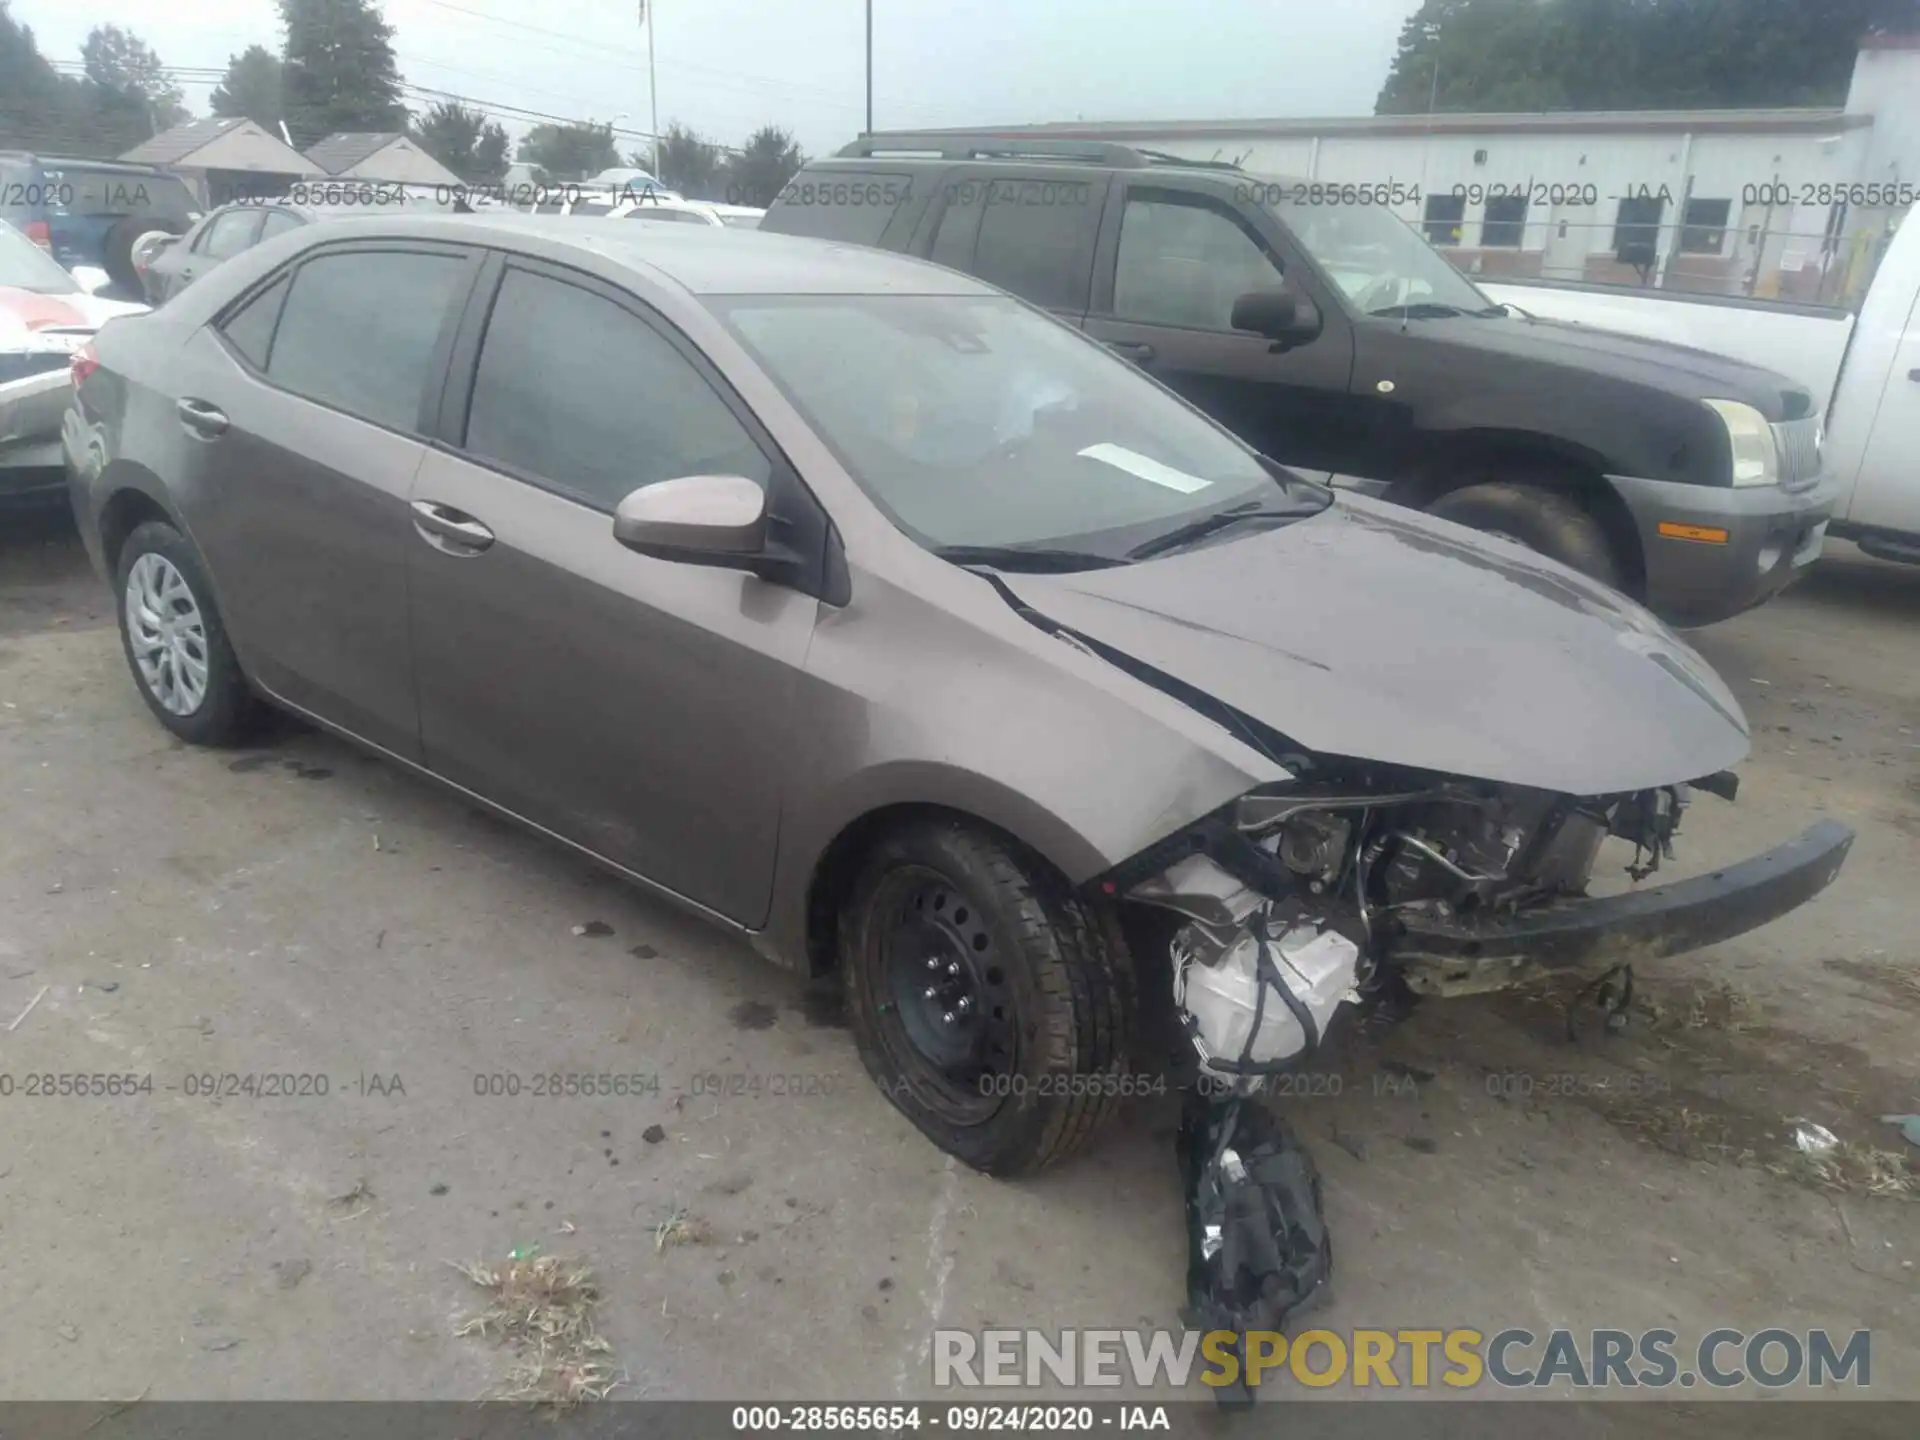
(40, 234)
(85, 362)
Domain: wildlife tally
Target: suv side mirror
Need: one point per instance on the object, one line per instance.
(696, 520)
(1278, 314)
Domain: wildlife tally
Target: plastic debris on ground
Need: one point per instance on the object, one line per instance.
(1258, 1251)
(1812, 1139)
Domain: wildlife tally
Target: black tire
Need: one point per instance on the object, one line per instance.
(226, 713)
(1052, 979)
(1544, 520)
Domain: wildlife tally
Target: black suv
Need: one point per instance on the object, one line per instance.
(1329, 335)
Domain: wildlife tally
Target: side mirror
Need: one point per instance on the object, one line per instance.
(696, 520)
(1278, 314)
(91, 278)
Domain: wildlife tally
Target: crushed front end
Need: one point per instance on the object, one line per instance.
(1300, 896)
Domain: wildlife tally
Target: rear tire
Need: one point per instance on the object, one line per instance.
(1030, 1066)
(1543, 520)
(176, 646)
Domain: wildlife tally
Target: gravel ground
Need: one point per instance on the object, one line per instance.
(302, 910)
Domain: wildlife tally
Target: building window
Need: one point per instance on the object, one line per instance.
(1705, 230)
(1444, 214)
(1506, 222)
(1636, 229)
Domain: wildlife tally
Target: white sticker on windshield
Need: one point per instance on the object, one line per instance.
(1147, 468)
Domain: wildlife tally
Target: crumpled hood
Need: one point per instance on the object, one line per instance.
(1377, 633)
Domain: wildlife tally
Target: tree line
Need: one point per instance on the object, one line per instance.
(336, 71)
(1537, 55)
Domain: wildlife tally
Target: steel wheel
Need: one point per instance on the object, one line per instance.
(987, 1000)
(166, 634)
(949, 995)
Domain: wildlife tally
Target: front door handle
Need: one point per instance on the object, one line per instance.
(448, 529)
(1136, 350)
(206, 421)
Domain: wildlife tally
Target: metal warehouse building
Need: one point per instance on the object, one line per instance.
(1792, 203)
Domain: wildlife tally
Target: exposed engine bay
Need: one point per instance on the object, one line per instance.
(1299, 898)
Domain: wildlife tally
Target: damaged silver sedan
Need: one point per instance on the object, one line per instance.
(887, 620)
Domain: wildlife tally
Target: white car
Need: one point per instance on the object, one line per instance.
(655, 205)
(46, 315)
(689, 212)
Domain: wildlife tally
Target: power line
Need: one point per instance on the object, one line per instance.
(599, 50)
(492, 109)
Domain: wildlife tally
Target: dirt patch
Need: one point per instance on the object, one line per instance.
(1895, 982)
(1699, 1070)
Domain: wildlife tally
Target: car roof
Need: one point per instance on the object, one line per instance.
(703, 260)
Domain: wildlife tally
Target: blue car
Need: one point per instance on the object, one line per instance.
(92, 212)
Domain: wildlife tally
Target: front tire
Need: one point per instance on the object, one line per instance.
(989, 1003)
(1543, 520)
(175, 644)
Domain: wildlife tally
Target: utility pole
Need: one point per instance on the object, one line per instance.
(653, 88)
(869, 67)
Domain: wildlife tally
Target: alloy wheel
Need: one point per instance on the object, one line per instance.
(166, 634)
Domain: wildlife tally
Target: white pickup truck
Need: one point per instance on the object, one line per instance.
(1869, 366)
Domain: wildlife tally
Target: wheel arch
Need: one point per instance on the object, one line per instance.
(130, 503)
(803, 929)
(1461, 458)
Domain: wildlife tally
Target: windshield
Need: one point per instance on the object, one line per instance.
(25, 266)
(1379, 262)
(973, 421)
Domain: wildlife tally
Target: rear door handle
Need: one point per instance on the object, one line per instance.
(206, 421)
(448, 529)
(1136, 350)
(1914, 375)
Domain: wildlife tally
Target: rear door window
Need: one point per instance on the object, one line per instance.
(278, 222)
(1036, 239)
(580, 392)
(359, 329)
(851, 205)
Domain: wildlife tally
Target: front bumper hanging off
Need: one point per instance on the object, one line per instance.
(1453, 957)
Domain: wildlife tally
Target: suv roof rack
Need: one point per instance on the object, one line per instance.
(1160, 157)
(987, 146)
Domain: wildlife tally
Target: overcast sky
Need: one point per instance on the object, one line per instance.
(727, 66)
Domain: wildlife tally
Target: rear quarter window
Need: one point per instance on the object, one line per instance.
(851, 205)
